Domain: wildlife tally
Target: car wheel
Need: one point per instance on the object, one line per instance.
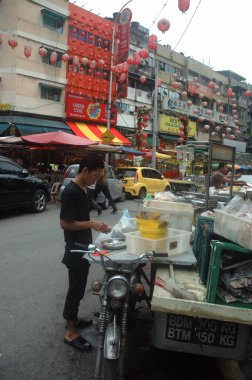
(142, 193)
(39, 201)
(123, 197)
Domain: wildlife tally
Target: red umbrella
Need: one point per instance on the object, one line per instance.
(57, 138)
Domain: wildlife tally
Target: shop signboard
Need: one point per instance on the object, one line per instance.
(78, 108)
(171, 124)
(180, 106)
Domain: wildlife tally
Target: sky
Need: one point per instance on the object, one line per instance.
(218, 35)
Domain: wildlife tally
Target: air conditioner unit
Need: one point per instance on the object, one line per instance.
(182, 79)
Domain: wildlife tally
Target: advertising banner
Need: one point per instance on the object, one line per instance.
(78, 108)
(171, 124)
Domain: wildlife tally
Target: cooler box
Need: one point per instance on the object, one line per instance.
(238, 230)
(179, 215)
(175, 243)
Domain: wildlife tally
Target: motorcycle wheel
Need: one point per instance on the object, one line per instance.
(110, 369)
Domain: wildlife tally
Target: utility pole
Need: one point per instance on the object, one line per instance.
(155, 118)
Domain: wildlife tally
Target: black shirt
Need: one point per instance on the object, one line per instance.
(75, 207)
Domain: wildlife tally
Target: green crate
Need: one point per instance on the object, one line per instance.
(217, 250)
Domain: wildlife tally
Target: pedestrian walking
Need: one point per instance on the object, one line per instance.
(102, 186)
(77, 226)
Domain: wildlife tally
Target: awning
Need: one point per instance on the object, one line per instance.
(29, 125)
(95, 132)
(169, 137)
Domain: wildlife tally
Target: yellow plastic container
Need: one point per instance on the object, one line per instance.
(151, 228)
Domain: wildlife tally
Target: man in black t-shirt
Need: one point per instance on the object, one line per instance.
(77, 226)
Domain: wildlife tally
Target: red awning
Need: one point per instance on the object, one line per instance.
(95, 132)
(56, 139)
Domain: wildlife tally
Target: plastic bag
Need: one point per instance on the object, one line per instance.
(164, 196)
(124, 225)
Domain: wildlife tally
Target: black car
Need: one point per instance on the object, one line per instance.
(19, 189)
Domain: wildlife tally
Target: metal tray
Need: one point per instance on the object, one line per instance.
(114, 244)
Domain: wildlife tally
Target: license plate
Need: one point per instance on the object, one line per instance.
(206, 332)
(124, 180)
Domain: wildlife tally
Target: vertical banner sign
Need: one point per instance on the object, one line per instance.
(124, 37)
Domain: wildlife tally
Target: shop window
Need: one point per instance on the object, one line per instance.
(53, 20)
(50, 92)
(46, 59)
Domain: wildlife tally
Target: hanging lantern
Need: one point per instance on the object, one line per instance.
(204, 104)
(125, 67)
(196, 111)
(218, 101)
(76, 60)
(192, 90)
(218, 128)
(13, 43)
(85, 61)
(234, 105)
(220, 109)
(92, 64)
(216, 87)
(130, 60)
(211, 84)
(223, 135)
(137, 58)
(163, 25)
(228, 129)
(237, 132)
(213, 121)
(195, 79)
(201, 119)
(144, 53)
(212, 134)
(232, 137)
(175, 85)
(209, 112)
(206, 127)
(118, 68)
(159, 82)
(122, 77)
(189, 103)
(247, 93)
(218, 93)
(27, 51)
(183, 5)
(181, 127)
(152, 43)
(145, 117)
(142, 79)
(53, 57)
(101, 62)
(229, 92)
(201, 96)
(65, 57)
(184, 94)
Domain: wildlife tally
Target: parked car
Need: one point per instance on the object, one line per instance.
(19, 189)
(138, 181)
(115, 185)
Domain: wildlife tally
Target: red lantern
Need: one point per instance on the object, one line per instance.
(137, 58)
(184, 94)
(92, 64)
(152, 42)
(65, 57)
(76, 60)
(85, 61)
(13, 43)
(144, 53)
(247, 93)
(163, 25)
(175, 85)
(125, 67)
(145, 118)
(142, 79)
(130, 60)
(211, 84)
(232, 137)
(201, 119)
(101, 62)
(122, 77)
(159, 82)
(183, 5)
(229, 92)
(27, 51)
(206, 127)
(53, 58)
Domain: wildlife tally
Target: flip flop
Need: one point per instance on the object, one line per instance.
(80, 343)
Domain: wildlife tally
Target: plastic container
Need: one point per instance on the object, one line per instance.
(236, 229)
(151, 228)
(178, 215)
(175, 243)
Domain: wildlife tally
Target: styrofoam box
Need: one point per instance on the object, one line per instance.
(175, 243)
(233, 228)
(179, 215)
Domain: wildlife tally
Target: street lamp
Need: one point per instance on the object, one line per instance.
(155, 119)
(112, 64)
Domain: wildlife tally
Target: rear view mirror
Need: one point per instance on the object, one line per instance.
(119, 176)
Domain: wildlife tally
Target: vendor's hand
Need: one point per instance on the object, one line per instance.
(101, 227)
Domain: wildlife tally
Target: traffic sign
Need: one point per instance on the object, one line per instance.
(107, 136)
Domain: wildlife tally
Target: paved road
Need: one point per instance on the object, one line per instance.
(33, 285)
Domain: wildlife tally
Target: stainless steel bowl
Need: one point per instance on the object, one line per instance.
(114, 243)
